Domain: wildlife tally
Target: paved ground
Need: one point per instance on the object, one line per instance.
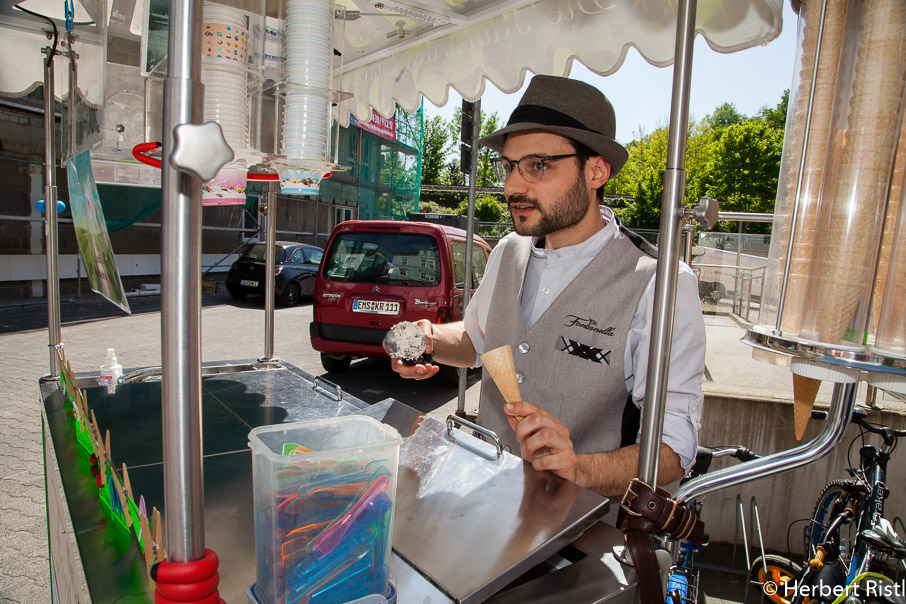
(231, 330)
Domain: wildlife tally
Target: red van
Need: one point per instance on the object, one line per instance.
(376, 273)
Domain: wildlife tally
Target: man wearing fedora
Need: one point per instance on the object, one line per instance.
(572, 292)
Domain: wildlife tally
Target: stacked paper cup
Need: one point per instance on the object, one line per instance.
(306, 112)
(225, 80)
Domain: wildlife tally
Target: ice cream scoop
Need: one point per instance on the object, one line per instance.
(406, 341)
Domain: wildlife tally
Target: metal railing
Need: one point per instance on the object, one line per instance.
(495, 229)
(748, 294)
(743, 286)
(754, 244)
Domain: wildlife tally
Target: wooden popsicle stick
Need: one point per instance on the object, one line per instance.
(126, 484)
(158, 536)
(147, 546)
(107, 457)
(95, 442)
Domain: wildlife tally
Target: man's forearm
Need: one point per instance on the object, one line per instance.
(452, 345)
(610, 473)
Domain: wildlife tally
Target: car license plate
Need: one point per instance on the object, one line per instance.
(248, 283)
(378, 307)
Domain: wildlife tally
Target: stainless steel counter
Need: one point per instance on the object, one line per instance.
(467, 523)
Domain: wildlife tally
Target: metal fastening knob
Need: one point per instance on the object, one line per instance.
(200, 150)
(524, 347)
(520, 378)
(706, 212)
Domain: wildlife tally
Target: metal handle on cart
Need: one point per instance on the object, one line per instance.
(140, 152)
(453, 419)
(316, 384)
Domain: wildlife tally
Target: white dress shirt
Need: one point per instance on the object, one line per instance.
(547, 275)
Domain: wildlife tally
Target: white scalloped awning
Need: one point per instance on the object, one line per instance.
(394, 57)
(397, 50)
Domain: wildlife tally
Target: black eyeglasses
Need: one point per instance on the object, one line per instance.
(531, 167)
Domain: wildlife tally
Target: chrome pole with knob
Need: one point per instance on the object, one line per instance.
(672, 216)
(192, 154)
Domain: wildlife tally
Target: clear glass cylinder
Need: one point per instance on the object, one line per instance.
(834, 182)
(890, 299)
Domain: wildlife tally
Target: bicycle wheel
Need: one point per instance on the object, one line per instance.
(850, 491)
(777, 576)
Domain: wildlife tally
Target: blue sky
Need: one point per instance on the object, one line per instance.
(640, 93)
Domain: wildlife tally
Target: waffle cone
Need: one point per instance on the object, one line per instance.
(499, 363)
(804, 392)
(806, 239)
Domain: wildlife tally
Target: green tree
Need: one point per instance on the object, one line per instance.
(488, 208)
(452, 174)
(435, 148)
(743, 168)
(432, 207)
(642, 177)
(728, 156)
(725, 116)
(776, 117)
(485, 173)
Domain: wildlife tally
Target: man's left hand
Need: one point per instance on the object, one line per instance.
(544, 441)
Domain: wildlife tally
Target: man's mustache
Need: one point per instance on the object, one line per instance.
(521, 200)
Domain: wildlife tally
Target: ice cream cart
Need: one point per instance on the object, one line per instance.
(210, 63)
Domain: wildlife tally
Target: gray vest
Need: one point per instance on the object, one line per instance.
(571, 360)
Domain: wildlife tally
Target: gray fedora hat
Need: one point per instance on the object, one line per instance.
(568, 107)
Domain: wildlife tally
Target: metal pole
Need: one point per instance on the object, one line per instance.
(270, 210)
(672, 207)
(317, 228)
(73, 88)
(737, 276)
(51, 245)
(181, 295)
(470, 232)
(843, 402)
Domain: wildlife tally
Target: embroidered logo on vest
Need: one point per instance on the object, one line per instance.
(583, 351)
(589, 324)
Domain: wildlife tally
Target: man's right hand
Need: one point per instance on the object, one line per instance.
(419, 371)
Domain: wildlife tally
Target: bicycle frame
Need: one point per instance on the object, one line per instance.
(873, 468)
(869, 507)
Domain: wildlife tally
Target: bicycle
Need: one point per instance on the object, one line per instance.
(848, 542)
(683, 579)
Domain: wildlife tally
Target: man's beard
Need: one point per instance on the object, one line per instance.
(563, 212)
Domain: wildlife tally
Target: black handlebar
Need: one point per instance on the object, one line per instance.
(889, 435)
(704, 455)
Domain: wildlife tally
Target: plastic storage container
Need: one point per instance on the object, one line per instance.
(324, 498)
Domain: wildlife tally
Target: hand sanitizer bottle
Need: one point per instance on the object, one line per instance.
(111, 371)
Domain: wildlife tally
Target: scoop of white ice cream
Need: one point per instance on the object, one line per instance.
(406, 341)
